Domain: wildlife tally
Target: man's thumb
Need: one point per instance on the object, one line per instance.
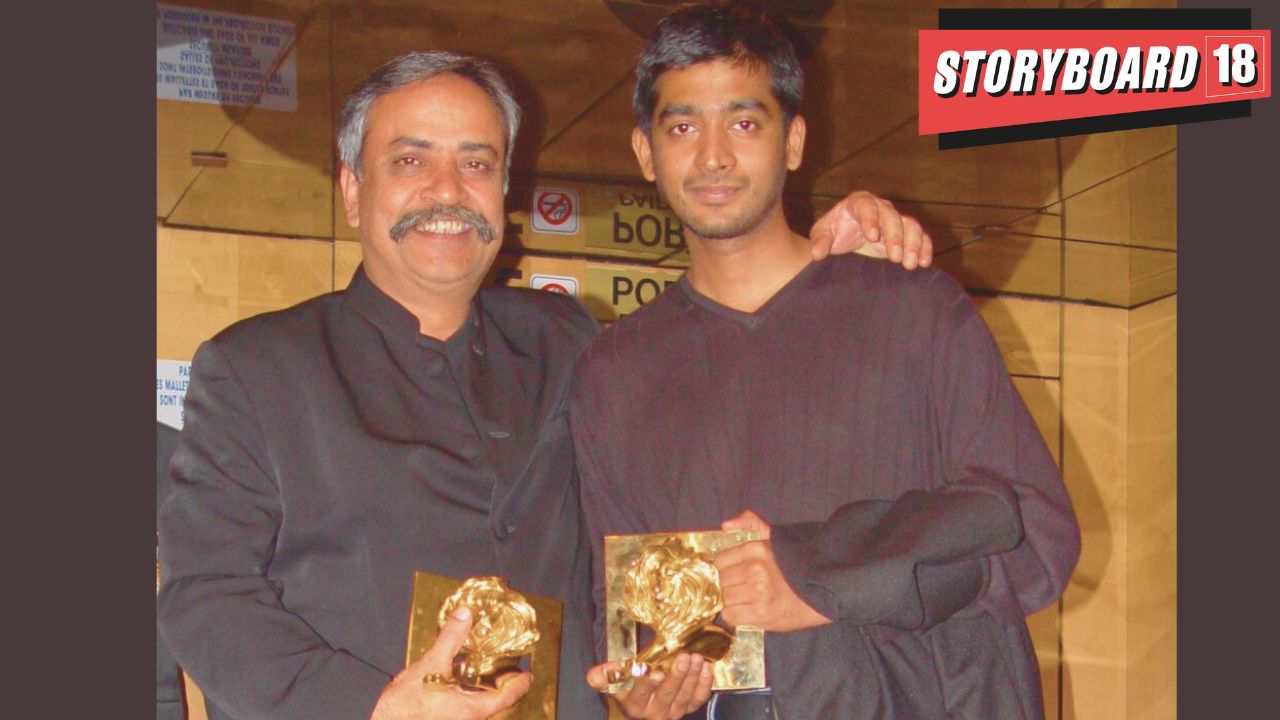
(439, 657)
(745, 520)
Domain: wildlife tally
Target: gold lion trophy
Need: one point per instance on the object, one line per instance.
(506, 627)
(668, 583)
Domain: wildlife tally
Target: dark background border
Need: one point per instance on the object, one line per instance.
(80, 301)
(1228, 397)
(81, 304)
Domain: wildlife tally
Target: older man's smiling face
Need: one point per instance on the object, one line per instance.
(430, 205)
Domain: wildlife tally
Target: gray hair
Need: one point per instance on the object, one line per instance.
(411, 68)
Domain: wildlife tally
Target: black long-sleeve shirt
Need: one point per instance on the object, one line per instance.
(329, 452)
(865, 413)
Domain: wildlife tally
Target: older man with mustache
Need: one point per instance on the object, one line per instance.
(411, 422)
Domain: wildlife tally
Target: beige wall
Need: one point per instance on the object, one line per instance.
(1152, 552)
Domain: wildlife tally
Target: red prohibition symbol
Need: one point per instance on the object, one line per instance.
(554, 207)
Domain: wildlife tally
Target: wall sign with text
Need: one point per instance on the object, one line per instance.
(226, 59)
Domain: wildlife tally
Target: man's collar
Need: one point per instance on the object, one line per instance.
(395, 320)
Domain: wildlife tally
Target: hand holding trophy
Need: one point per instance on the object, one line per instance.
(668, 583)
(504, 630)
(416, 694)
(507, 628)
(676, 592)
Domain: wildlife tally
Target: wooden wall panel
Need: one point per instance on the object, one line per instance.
(258, 199)
(341, 230)
(1119, 275)
(195, 700)
(279, 162)
(1045, 628)
(1152, 274)
(1153, 204)
(910, 166)
(1043, 222)
(1027, 331)
(1152, 561)
(880, 42)
(1096, 272)
(1043, 398)
(545, 48)
(1138, 207)
(969, 217)
(1099, 157)
(512, 270)
(1100, 213)
(206, 281)
(174, 173)
(346, 258)
(1094, 467)
(1007, 262)
(597, 128)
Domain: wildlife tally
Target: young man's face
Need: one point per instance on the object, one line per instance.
(437, 143)
(719, 149)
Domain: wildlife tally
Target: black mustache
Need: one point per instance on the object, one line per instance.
(414, 218)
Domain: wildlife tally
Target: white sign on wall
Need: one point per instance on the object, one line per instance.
(171, 390)
(223, 58)
(562, 284)
(555, 210)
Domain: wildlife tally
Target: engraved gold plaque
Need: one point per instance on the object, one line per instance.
(507, 626)
(667, 582)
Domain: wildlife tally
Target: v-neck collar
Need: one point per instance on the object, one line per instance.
(749, 320)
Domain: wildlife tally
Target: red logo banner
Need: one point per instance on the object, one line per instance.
(975, 79)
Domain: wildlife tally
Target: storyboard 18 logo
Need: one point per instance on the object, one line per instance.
(978, 86)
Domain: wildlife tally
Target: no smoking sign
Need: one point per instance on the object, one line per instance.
(554, 283)
(555, 210)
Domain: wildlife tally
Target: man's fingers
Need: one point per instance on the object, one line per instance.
(664, 698)
(681, 701)
(738, 587)
(598, 675)
(871, 226)
(702, 689)
(439, 657)
(730, 558)
(511, 688)
(926, 248)
(873, 250)
(849, 226)
(821, 236)
(726, 559)
(745, 520)
(912, 240)
(891, 229)
(637, 698)
(864, 209)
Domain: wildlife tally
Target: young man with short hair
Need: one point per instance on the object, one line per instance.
(858, 414)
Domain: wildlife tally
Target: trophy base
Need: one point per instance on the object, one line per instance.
(711, 642)
(742, 655)
(470, 677)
